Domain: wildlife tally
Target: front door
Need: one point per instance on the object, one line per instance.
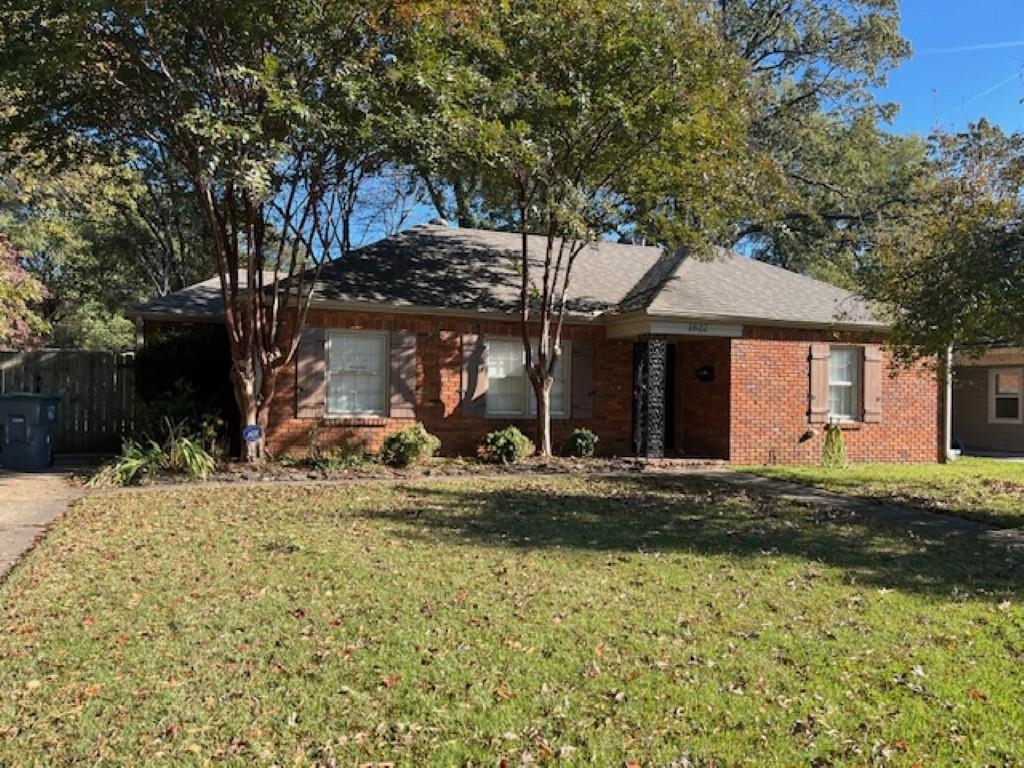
(653, 397)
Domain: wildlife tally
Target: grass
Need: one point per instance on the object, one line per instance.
(564, 621)
(987, 490)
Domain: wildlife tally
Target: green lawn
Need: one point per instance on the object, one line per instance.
(980, 489)
(484, 622)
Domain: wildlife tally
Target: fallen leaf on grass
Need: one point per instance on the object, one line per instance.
(977, 695)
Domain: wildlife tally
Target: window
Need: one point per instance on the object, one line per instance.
(844, 383)
(509, 390)
(1004, 386)
(357, 374)
(506, 378)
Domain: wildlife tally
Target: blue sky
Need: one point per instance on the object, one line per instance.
(967, 63)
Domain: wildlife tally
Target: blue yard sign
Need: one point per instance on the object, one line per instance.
(252, 433)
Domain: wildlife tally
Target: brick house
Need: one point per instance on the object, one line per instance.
(726, 358)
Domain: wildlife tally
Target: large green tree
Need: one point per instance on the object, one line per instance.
(829, 171)
(259, 104)
(823, 171)
(583, 117)
(950, 263)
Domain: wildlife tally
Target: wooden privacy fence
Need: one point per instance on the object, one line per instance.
(96, 392)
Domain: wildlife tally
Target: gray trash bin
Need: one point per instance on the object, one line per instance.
(29, 421)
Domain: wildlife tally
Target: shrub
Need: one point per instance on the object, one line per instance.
(581, 443)
(833, 453)
(188, 456)
(136, 463)
(409, 446)
(181, 452)
(508, 445)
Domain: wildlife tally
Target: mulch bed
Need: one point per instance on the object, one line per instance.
(275, 471)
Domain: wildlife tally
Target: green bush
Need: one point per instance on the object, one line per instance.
(187, 456)
(833, 453)
(582, 443)
(408, 446)
(135, 464)
(181, 453)
(508, 445)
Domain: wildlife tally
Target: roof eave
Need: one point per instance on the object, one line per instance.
(876, 327)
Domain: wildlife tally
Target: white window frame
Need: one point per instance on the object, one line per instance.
(992, 396)
(529, 404)
(385, 377)
(856, 386)
(491, 411)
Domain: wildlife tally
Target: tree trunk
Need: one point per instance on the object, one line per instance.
(254, 405)
(542, 391)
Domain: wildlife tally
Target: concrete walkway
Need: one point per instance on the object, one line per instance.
(922, 521)
(29, 502)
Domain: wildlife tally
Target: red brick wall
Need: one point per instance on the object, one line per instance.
(754, 412)
(438, 389)
(769, 405)
(702, 407)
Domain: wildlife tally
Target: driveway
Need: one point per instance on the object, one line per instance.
(29, 502)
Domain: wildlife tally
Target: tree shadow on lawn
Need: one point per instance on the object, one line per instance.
(686, 514)
(968, 496)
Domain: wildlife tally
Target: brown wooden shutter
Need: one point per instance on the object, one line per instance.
(872, 384)
(818, 397)
(474, 375)
(403, 375)
(311, 374)
(582, 379)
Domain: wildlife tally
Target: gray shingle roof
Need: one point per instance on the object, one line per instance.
(733, 287)
(475, 270)
(200, 300)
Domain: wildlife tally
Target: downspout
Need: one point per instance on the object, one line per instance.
(948, 408)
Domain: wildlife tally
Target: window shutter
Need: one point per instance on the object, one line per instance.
(474, 375)
(872, 384)
(818, 410)
(403, 375)
(582, 380)
(311, 374)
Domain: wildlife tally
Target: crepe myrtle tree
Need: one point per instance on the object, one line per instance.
(261, 104)
(583, 118)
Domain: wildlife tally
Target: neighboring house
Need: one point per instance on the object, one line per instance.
(727, 358)
(988, 400)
